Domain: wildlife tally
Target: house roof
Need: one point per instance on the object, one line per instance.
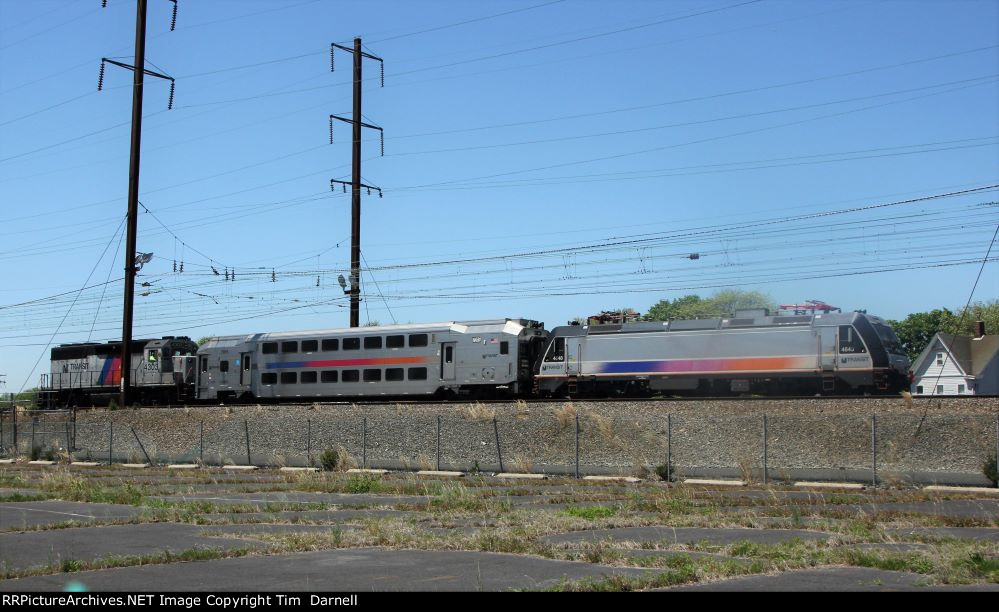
(971, 354)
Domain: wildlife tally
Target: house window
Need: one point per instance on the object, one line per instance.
(919, 389)
(939, 389)
(960, 389)
(940, 359)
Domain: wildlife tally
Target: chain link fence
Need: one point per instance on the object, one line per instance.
(567, 439)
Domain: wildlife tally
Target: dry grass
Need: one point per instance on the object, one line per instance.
(346, 460)
(747, 468)
(604, 427)
(907, 399)
(521, 410)
(521, 463)
(425, 462)
(566, 415)
(479, 412)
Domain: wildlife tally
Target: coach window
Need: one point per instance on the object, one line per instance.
(223, 366)
(329, 376)
(351, 344)
(417, 373)
(557, 350)
(289, 347)
(308, 377)
(372, 375)
(417, 340)
(504, 348)
(268, 378)
(350, 376)
(372, 342)
(394, 374)
(310, 346)
(849, 340)
(395, 341)
(270, 348)
(289, 378)
(331, 344)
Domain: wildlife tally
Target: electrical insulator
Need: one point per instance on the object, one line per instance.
(175, 266)
(383, 142)
(104, 3)
(331, 129)
(170, 102)
(382, 64)
(379, 193)
(173, 20)
(100, 78)
(331, 57)
(273, 277)
(227, 274)
(232, 275)
(181, 267)
(344, 185)
(369, 190)
(317, 281)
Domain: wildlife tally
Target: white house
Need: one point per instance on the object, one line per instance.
(957, 365)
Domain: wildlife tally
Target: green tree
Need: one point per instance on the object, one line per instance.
(723, 303)
(916, 330)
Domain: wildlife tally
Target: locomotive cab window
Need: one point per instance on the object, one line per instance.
(504, 348)
(556, 352)
(849, 340)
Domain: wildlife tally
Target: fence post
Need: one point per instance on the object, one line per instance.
(308, 443)
(246, 426)
(69, 447)
(148, 460)
(438, 442)
(764, 450)
(669, 448)
(577, 446)
(997, 448)
(74, 428)
(34, 420)
(201, 449)
(110, 440)
(874, 450)
(499, 453)
(13, 413)
(364, 443)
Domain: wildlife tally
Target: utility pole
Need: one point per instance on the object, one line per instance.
(138, 71)
(355, 183)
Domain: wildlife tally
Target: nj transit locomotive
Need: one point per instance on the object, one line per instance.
(754, 352)
(852, 353)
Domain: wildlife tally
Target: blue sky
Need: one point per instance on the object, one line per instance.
(542, 159)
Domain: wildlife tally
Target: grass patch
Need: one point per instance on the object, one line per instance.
(591, 513)
(363, 483)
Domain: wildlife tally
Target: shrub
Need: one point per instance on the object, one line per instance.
(663, 471)
(330, 459)
(989, 469)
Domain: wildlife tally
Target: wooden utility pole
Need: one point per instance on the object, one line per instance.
(138, 72)
(355, 183)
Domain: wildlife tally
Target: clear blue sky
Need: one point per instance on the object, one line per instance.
(542, 159)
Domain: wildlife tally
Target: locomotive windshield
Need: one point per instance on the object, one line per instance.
(889, 339)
